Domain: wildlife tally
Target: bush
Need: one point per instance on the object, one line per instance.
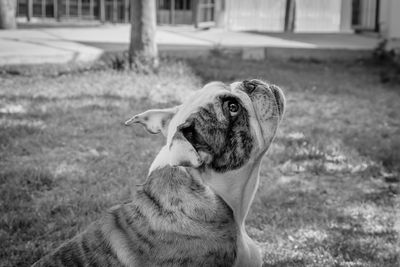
(389, 61)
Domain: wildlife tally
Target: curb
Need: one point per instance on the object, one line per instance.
(246, 53)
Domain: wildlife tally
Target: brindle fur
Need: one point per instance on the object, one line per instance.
(174, 221)
(178, 219)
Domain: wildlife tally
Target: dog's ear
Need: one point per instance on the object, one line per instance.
(154, 120)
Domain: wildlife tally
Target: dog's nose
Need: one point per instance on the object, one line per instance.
(249, 86)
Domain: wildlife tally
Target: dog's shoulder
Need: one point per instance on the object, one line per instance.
(89, 248)
(173, 220)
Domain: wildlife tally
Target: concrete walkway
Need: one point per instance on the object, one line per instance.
(62, 45)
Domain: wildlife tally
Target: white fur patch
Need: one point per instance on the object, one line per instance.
(154, 120)
(161, 160)
(182, 153)
(179, 153)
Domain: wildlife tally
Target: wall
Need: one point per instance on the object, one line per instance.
(389, 19)
(268, 15)
(257, 15)
(318, 15)
(394, 19)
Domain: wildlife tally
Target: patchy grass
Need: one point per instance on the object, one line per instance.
(329, 193)
(330, 183)
(65, 156)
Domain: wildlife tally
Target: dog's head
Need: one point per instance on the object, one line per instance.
(221, 126)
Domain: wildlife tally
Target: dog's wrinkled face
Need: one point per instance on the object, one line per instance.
(221, 126)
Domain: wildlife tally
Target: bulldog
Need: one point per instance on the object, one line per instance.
(192, 208)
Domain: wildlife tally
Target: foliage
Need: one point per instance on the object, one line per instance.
(389, 61)
(123, 62)
(117, 61)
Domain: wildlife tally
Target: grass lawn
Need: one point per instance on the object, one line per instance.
(329, 193)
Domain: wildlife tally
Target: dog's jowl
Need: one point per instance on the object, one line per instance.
(192, 208)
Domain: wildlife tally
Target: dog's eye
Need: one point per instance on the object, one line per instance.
(233, 107)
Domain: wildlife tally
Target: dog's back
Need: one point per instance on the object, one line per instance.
(173, 221)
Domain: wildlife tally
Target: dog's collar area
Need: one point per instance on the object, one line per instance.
(237, 187)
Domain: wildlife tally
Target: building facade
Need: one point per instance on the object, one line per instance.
(115, 11)
(249, 15)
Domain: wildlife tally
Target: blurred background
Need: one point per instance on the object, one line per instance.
(255, 15)
(71, 71)
(356, 26)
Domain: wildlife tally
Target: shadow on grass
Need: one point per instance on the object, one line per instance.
(324, 221)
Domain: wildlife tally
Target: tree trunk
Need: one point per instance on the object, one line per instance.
(196, 11)
(143, 45)
(290, 15)
(59, 10)
(220, 14)
(8, 14)
(102, 11)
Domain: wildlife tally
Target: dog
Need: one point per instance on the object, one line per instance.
(192, 208)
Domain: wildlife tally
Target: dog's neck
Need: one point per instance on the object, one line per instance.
(237, 188)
